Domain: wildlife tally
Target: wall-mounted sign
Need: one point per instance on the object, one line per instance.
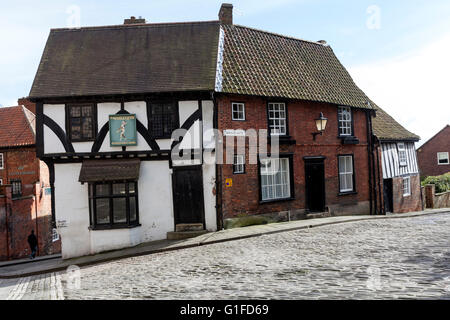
(122, 130)
(234, 133)
(229, 182)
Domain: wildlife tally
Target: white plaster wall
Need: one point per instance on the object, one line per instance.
(185, 109)
(140, 109)
(57, 113)
(155, 200)
(208, 124)
(209, 183)
(103, 112)
(72, 209)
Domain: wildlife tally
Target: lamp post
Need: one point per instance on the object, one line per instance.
(321, 124)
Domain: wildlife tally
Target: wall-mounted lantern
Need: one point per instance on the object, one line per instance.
(321, 124)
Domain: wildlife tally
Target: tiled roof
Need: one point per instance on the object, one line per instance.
(386, 128)
(267, 64)
(17, 127)
(127, 59)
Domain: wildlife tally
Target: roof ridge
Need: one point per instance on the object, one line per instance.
(136, 25)
(282, 35)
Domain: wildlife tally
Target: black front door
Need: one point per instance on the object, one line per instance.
(388, 195)
(188, 194)
(315, 185)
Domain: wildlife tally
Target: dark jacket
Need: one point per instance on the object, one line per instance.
(32, 240)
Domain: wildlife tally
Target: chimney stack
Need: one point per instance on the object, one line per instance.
(133, 20)
(226, 13)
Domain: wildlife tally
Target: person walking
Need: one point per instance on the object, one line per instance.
(32, 241)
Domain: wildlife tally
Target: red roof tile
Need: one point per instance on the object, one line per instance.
(17, 127)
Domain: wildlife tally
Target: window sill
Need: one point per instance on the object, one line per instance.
(349, 139)
(276, 200)
(348, 193)
(113, 227)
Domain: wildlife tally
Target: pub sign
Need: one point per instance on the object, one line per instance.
(122, 130)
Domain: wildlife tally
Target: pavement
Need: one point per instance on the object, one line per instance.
(44, 265)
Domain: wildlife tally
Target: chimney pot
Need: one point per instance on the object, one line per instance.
(133, 20)
(226, 13)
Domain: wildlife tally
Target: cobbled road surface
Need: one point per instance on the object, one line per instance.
(406, 258)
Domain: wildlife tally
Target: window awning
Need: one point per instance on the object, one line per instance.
(109, 170)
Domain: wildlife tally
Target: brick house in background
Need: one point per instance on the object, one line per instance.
(434, 154)
(399, 187)
(25, 197)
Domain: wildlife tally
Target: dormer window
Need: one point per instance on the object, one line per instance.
(345, 121)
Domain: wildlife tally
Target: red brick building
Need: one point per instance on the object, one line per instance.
(434, 154)
(283, 84)
(25, 195)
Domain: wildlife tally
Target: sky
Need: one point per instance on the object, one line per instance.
(396, 51)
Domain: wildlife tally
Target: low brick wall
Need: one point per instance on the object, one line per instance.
(442, 200)
(435, 201)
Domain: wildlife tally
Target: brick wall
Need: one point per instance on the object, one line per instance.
(409, 203)
(427, 154)
(243, 196)
(27, 104)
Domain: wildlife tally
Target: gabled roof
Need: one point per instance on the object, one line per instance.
(127, 59)
(17, 127)
(267, 64)
(437, 134)
(386, 128)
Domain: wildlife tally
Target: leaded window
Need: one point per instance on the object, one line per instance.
(277, 118)
(81, 122)
(113, 205)
(163, 119)
(346, 174)
(275, 179)
(345, 121)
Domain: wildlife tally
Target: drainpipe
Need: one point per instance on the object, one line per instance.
(368, 125)
(219, 213)
(36, 214)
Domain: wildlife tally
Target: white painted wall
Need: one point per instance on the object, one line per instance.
(72, 209)
(57, 113)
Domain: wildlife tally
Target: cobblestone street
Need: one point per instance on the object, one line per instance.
(404, 258)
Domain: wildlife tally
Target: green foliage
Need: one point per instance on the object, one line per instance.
(442, 183)
(245, 221)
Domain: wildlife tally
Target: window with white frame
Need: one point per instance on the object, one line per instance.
(345, 121)
(275, 179)
(402, 154)
(238, 111)
(406, 187)
(277, 118)
(442, 158)
(1, 161)
(239, 163)
(346, 174)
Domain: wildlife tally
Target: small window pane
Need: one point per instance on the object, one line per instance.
(119, 189)
(133, 215)
(102, 190)
(131, 188)
(102, 211)
(120, 210)
(75, 112)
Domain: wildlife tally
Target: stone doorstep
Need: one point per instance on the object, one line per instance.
(180, 235)
(189, 227)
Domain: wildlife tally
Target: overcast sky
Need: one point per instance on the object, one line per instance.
(396, 51)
